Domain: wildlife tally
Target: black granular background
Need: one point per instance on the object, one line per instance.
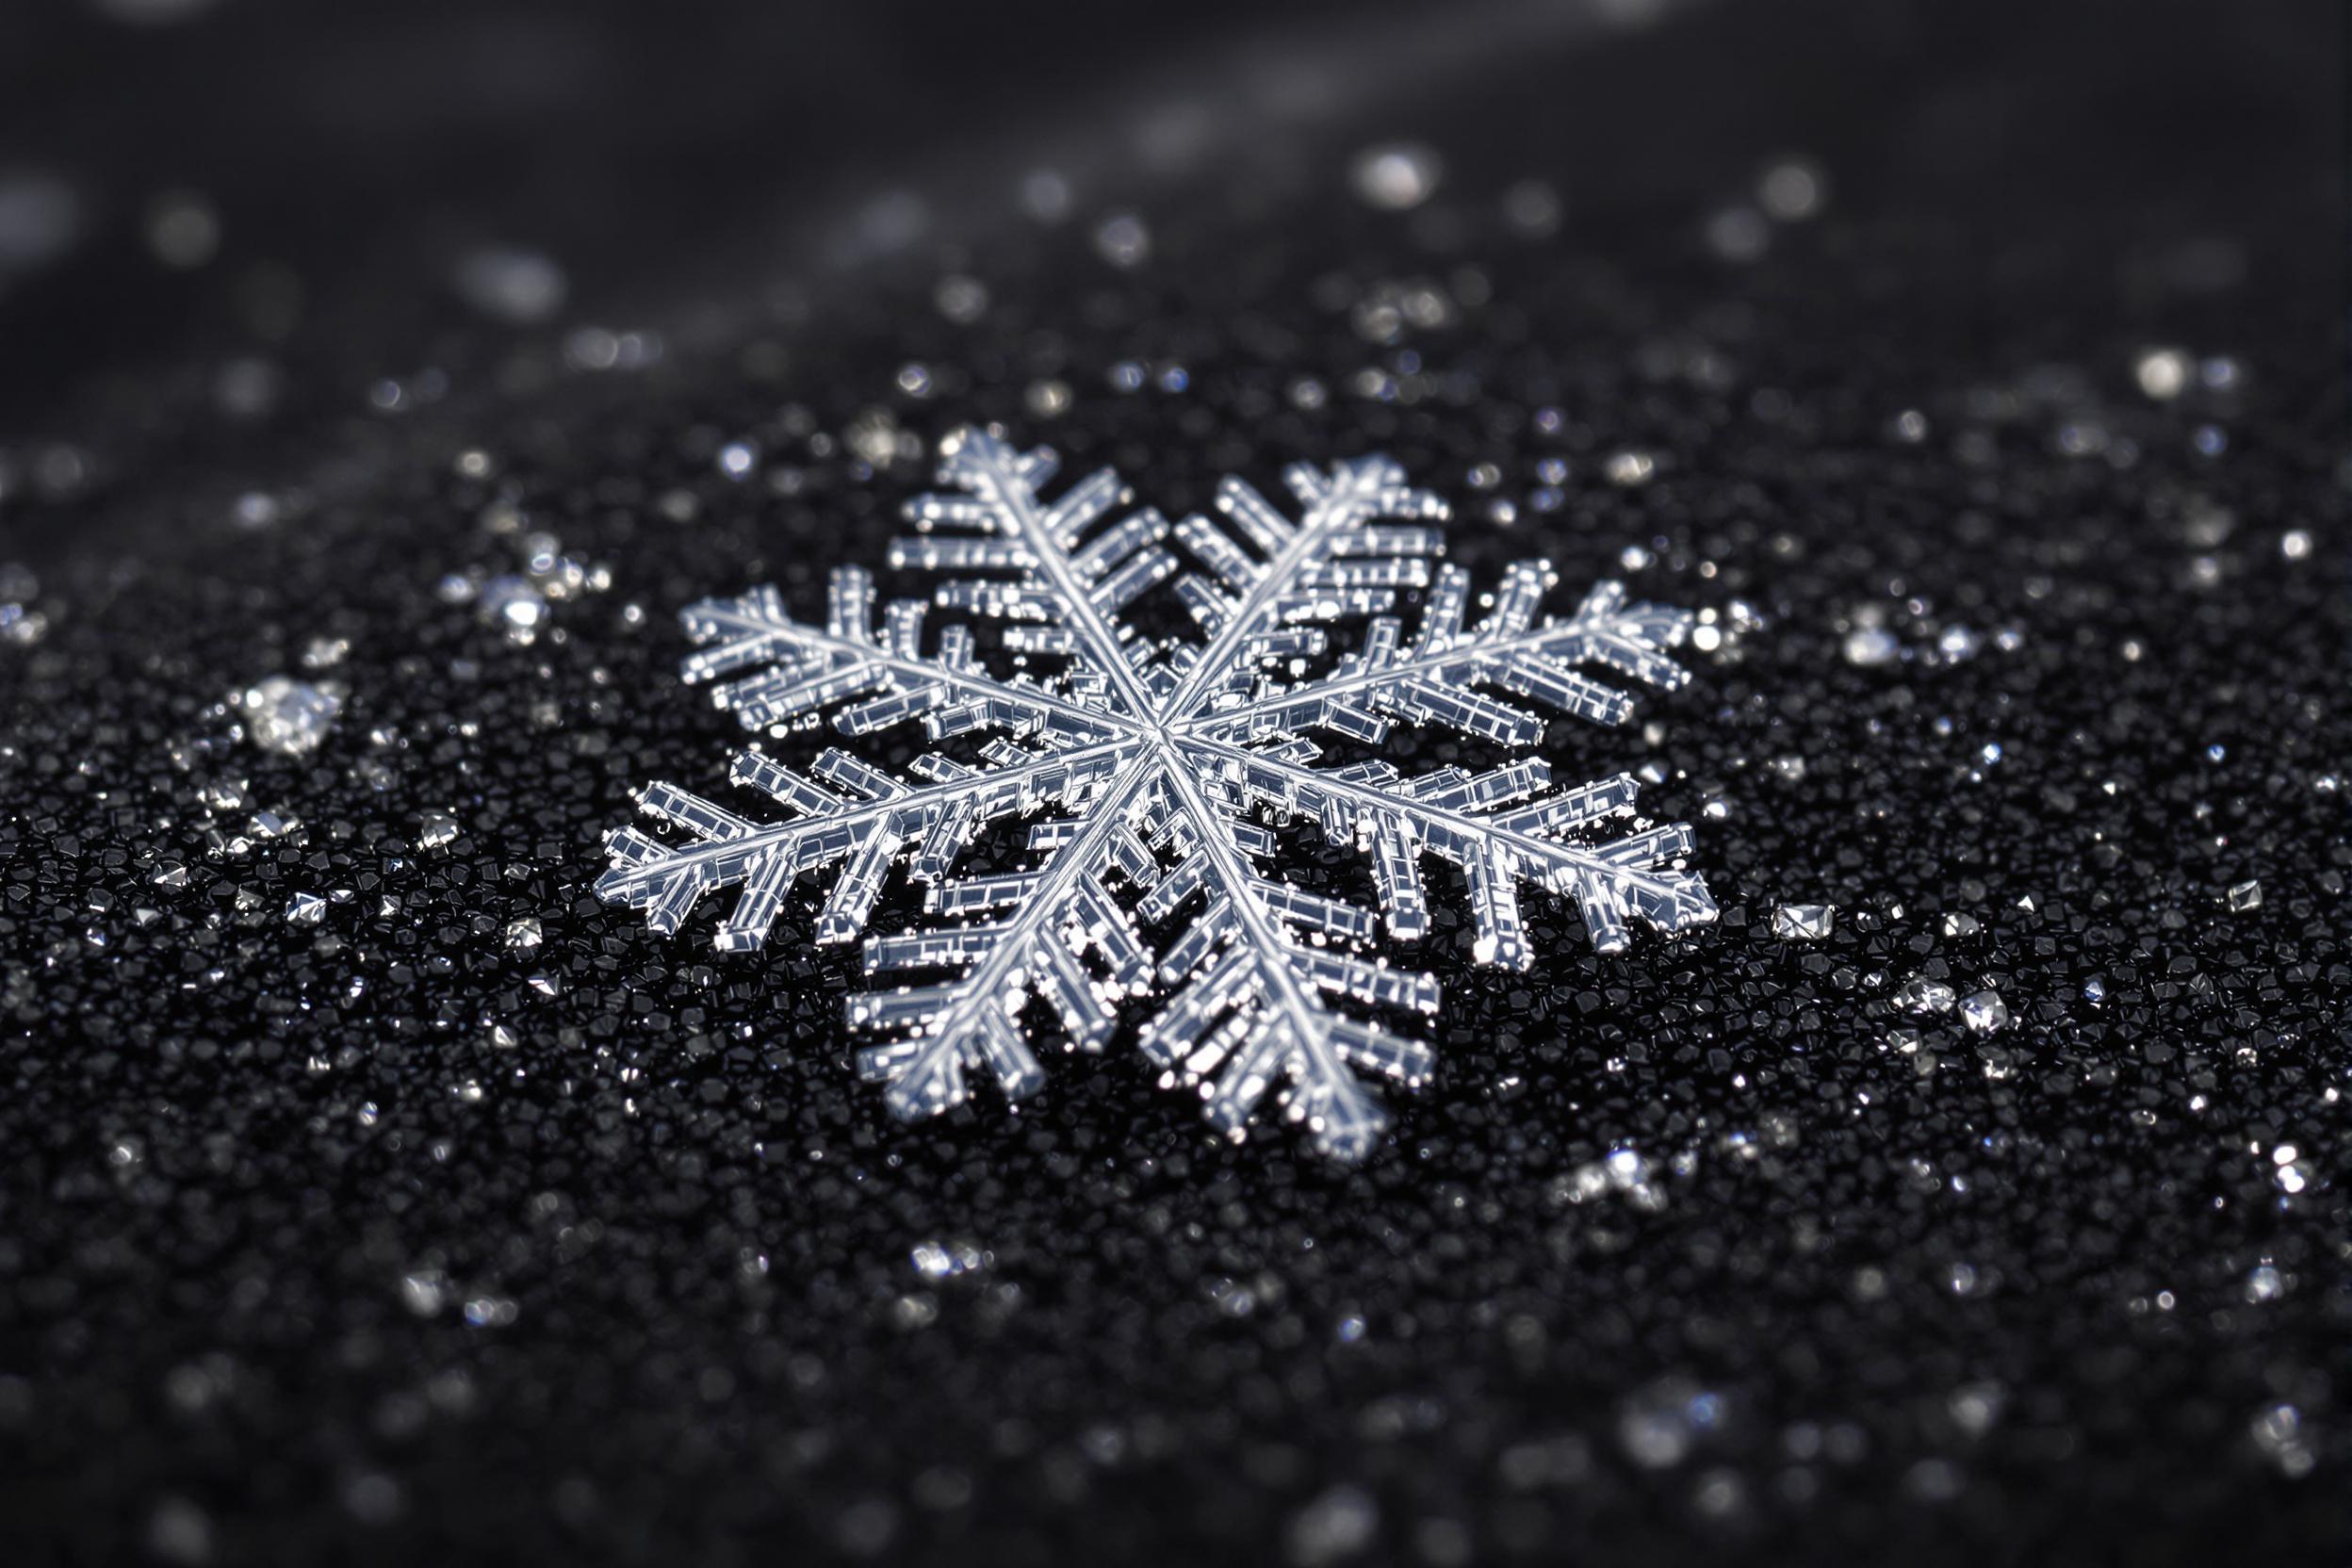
(387, 1238)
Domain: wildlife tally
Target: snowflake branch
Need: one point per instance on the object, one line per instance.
(974, 1022)
(1429, 682)
(861, 823)
(1249, 1015)
(1448, 814)
(810, 668)
(1071, 592)
(1326, 565)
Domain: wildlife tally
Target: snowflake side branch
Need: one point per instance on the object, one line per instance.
(1063, 911)
(797, 670)
(1063, 598)
(1249, 1015)
(1327, 565)
(854, 817)
(1450, 815)
(1429, 681)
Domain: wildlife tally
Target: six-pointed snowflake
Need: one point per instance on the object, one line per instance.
(1154, 775)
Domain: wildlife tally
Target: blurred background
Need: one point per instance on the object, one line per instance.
(370, 1192)
(298, 182)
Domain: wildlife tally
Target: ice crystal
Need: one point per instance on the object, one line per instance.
(1985, 1012)
(1923, 995)
(1804, 923)
(1154, 778)
(288, 716)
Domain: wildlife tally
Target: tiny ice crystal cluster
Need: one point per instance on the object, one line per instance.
(1154, 776)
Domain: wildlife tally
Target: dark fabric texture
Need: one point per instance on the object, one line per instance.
(2012, 470)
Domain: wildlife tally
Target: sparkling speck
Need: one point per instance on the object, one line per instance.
(2162, 373)
(1804, 923)
(1049, 398)
(180, 1532)
(425, 1291)
(512, 603)
(20, 626)
(1659, 1425)
(874, 436)
(962, 300)
(1123, 239)
(1975, 1406)
(1871, 646)
(1792, 190)
(2277, 1432)
(1985, 1012)
(182, 230)
(490, 1312)
(1045, 195)
(1628, 469)
(1336, 1525)
(942, 1260)
(1923, 996)
(1396, 176)
(1738, 234)
(287, 716)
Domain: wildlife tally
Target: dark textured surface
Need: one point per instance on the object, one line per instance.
(1987, 1298)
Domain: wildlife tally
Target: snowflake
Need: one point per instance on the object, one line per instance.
(1154, 776)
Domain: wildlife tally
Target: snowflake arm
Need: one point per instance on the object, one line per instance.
(854, 820)
(772, 673)
(1255, 601)
(881, 674)
(1065, 591)
(1432, 680)
(1249, 1014)
(1063, 909)
(1456, 816)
